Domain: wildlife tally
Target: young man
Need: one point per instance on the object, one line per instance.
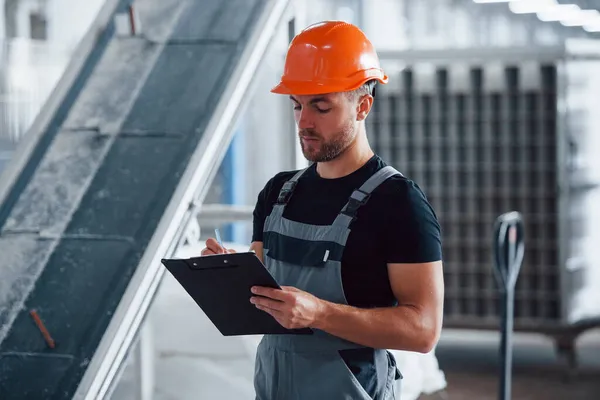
(355, 245)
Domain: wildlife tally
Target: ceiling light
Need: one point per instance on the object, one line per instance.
(531, 6)
(559, 12)
(594, 27)
(583, 17)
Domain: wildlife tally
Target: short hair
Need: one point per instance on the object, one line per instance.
(367, 88)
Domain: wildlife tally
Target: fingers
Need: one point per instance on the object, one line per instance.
(275, 313)
(267, 303)
(213, 247)
(207, 252)
(275, 294)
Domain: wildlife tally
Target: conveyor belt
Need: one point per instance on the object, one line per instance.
(106, 190)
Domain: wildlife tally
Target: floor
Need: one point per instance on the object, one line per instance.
(469, 361)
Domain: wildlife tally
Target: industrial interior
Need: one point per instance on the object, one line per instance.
(131, 129)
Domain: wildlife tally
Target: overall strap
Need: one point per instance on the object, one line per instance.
(286, 193)
(361, 195)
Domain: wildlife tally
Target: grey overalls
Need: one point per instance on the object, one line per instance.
(309, 367)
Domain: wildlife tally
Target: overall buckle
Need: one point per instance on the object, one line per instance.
(354, 204)
(286, 192)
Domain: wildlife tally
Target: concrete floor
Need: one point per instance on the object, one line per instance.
(470, 360)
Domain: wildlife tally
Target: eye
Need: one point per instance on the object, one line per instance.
(297, 107)
(323, 111)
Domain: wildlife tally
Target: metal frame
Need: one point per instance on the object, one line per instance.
(476, 54)
(100, 375)
(563, 192)
(218, 213)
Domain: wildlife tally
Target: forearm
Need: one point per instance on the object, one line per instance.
(400, 328)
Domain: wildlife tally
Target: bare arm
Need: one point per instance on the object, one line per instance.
(414, 325)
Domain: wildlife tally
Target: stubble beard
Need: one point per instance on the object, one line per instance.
(324, 151)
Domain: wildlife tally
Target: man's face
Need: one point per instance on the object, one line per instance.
(326, 124)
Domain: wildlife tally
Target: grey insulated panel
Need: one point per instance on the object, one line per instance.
(481, 141)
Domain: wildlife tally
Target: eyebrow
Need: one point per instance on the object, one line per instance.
(314, 101)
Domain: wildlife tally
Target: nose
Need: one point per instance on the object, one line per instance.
(304, 120)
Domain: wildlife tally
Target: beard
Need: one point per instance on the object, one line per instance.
(322, 150)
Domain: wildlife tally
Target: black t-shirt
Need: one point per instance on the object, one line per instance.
(396, 225)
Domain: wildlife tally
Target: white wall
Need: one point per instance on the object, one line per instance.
(2, 20)
(69, 20)
(33, 67)
(384, 23)
(270, 137)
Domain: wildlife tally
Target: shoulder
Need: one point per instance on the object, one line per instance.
(409, 226)
(401, 197)
(399, 188)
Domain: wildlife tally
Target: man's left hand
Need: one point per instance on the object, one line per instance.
(291, 307)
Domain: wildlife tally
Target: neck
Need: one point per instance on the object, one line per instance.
(354, 157)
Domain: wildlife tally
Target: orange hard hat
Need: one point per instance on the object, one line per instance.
(327, 57)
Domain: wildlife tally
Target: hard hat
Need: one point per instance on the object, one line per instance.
(327, 57)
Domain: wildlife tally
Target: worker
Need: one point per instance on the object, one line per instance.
(355, 245)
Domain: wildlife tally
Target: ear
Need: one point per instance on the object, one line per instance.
(363, 107)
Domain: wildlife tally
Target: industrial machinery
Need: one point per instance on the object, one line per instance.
(487, 131)
(108, 179)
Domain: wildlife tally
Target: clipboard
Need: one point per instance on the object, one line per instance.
(220, 285)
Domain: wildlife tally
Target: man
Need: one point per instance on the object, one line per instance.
(355, 245)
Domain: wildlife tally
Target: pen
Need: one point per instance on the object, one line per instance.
(218, 235)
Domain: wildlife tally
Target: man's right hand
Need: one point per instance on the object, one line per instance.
(213, 247)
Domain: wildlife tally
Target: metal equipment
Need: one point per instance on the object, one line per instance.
(489, 130)
(509, 250)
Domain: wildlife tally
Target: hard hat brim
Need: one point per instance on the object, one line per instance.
(315, 88)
